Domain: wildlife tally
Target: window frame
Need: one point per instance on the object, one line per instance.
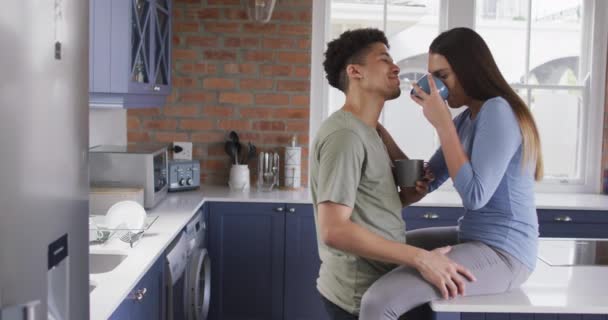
(463, 13)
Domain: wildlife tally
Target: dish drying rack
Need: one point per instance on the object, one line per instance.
(100, 233)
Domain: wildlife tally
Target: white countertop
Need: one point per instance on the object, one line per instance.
(178, 208)
(563, 289)
(174, 213)
(555, 201)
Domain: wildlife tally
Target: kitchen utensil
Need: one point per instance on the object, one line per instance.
(260, 170)
(252, 151)
(275, 169)
(228, 149)
(234, 137)
(235, 152)
(268, 171)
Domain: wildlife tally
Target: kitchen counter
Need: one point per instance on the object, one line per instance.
(555, 201)
(550, 289)
(178, 208)
(174, 212)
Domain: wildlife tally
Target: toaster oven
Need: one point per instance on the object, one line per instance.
(131, 166)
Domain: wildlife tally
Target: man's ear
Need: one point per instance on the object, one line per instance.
(353, 71)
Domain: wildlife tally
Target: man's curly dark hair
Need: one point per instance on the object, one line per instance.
(350, 47)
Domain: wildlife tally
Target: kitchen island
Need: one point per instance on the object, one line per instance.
(555, 287)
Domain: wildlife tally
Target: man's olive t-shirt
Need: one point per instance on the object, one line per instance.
(350, 166)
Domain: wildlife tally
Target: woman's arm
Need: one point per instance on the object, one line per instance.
(497, 138)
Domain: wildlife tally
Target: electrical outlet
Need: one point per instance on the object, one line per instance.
(185, 153)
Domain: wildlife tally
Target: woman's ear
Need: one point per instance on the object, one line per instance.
(353, 72)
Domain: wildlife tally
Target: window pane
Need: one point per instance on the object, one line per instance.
(347, 15)
(555, 42)
(558, 117)
(503, 25)
(411, 27)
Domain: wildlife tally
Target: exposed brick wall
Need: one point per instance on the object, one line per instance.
(232, 74)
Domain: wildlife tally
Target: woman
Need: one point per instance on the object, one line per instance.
(492, 153)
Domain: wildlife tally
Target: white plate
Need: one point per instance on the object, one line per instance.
(128, 213)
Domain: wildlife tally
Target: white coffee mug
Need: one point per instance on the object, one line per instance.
(239, 177)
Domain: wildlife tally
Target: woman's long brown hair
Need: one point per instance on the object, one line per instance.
(477, 72)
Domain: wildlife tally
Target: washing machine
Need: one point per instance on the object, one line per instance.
(198, 270)
(188, 273)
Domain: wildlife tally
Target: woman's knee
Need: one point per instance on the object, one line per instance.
(374, 306)
(381, 304)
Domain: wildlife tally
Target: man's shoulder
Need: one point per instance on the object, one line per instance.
(335, 125)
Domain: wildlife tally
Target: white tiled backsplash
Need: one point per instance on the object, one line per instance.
(107, 126)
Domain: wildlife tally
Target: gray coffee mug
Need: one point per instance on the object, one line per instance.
(409, 171)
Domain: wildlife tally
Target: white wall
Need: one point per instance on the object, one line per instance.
(107, 126)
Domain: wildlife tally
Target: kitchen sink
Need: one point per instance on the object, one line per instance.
(104, 262)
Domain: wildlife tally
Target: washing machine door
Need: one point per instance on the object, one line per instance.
(199, 285)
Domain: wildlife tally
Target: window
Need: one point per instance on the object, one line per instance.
(553, 52)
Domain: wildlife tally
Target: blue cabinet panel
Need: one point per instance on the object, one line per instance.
(246, 246)
(302, 300)
(145, 301)
(129, 53)
(473, 316)
(552, 223)
(265, 262)
(427, 217)
(497, 316)
(150, 287)
(573, 223)
(123, 312)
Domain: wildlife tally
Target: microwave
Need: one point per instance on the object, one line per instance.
(131, 166)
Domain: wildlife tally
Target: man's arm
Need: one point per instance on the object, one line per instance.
(339, 232)
(407, 195)
(394, 152)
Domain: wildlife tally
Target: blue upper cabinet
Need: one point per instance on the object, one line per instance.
(129, 53)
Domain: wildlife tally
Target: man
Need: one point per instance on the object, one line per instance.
(360, 231)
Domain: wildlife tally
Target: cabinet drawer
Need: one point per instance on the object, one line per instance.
(573, 230)
(432, 213)
(572, 216)
(428, 217)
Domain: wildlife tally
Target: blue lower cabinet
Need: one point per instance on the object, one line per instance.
(246, 246)
(427, 217)
(145, 301)
(264, 262)
(302, 300)
(123, 312)
(573, 223)
(552, 223)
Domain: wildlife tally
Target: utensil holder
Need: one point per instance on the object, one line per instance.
(268, 171)
(239, 177)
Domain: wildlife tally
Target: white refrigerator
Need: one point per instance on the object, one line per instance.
(43, 159)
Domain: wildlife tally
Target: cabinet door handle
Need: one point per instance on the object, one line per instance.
(139, 294)
(563, 219)
(156, 88)
(279, 209)
(430, 216)
(292, 210)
